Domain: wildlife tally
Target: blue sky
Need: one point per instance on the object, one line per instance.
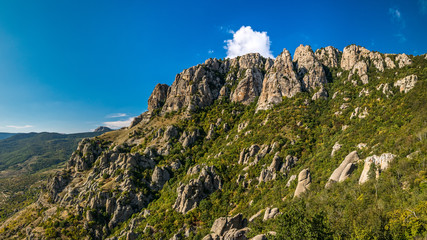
(70, 66)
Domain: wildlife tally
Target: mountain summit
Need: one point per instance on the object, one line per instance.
(327, 144)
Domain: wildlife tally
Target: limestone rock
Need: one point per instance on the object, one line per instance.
(170, 133)
(335, 148)
(159, 177)
(290, 161)
(304, 181)
(310, 70)
(270, 213)
(321, 94)
(189, 195)
(230, 228)
(389, 63)
(328, 56)
(292, 178)
(403, 60)
(351, 55)
(249, 87)
(223, 224)
(280, 81)
(359, 113)
(196, 87)
(381, 162)
(385, 89)
(266, 175)
(276, 163)
(260, 237)
(144, 118)
(189, 138)
(158, 97)
(85, 155)
(407, 83)
(246, 154)
(344, 169)
(361, 69)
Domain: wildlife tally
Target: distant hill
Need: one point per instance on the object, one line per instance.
(32, 152)
(6, 135)
(103, 129)
(27, 160)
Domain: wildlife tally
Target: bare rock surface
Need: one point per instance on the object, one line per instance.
(381, 162)
(344, 169)
(280, 81)
(407, 83)
(230, 228)
(403, 60)
(309, 69)
(304, 181)
(335, 148)
(189, 195)
(328, 56)
(158, 97)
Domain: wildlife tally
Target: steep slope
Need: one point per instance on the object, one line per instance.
(332, 146)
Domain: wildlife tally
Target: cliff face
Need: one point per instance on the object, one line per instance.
(207, 150)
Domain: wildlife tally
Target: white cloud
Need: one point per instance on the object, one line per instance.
(211, 51)
(246, 40)
(119, 124)
(19, 127)
(396, 17)
(117, 115)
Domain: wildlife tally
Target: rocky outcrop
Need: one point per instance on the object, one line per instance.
(304, 181)
(158, 97)
(328, 56)
(354, 54)
(247, 153)
(309, 70)
(407, 83)
(361, 69)
(143, 118)
(381, 163)
(403, 60)
(358, 112)
(351, 55)
(270, 213)
(189, 195)
(335, 148)
(250, 75)
(289, 163)
(85, 155)
(230, 228)
(321, 94)
(187, 139)
(159, 177)
(291, 179)
(280, 81)
(389, 63)
(344, 169)
(196, 87)
(249, 87)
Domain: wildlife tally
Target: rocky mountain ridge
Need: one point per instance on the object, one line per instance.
(226, 138)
